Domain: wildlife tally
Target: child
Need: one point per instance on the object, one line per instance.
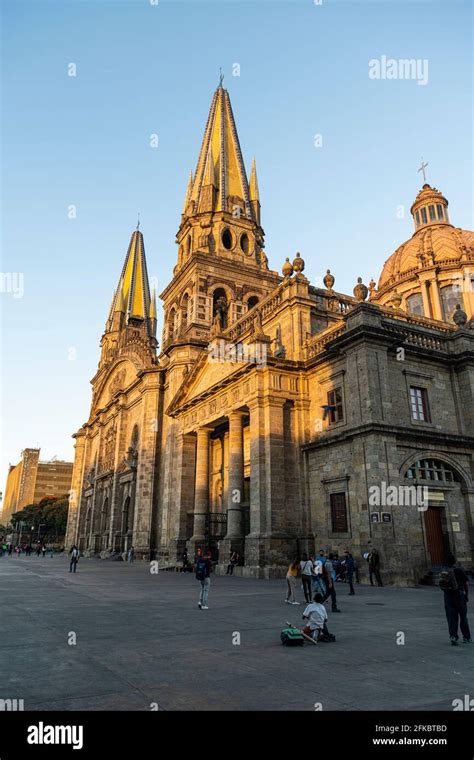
(316, 615)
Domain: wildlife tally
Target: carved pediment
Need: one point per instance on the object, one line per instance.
(119, 377)
(208, 372)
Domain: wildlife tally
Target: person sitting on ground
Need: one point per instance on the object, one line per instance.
(234, 560)
(316, 616)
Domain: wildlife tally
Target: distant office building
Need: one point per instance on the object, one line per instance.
(31, 480)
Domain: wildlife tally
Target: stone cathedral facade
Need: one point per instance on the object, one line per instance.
(278, 417)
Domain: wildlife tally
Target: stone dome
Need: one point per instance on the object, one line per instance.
(430, 245)
(436, 257)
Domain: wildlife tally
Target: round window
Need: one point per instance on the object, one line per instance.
(227, 239)
(244, 243)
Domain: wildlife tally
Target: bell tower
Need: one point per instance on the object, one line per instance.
(222, 268)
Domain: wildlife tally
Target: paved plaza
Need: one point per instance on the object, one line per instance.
(141, 639)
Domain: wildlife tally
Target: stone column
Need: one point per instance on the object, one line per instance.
(75, 494)
(201, 488)
(235, 488)
(437, 308)
(426, 300)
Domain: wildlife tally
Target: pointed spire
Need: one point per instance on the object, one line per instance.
(189, 189)
(254, 193)
(152, 310)
(152, 313)
(220, 136)
(132, 296)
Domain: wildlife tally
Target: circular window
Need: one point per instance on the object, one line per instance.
(227, 239)
(244, 243)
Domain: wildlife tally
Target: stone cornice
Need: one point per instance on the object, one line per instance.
(405, 434)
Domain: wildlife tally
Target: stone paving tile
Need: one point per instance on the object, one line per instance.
(141, 639)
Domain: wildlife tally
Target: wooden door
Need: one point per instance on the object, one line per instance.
(434, 535)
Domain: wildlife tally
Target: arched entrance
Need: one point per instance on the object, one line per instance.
(442, 499)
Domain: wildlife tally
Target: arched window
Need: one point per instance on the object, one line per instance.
(227, 239)
(432, 469)
(415, 304)
(450, 296)
(188, 245)
(185, 310)
(171, 324)
(220, 304)
(253, 301)
(134, 438)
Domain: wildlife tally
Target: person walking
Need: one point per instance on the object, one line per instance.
(306, 570)
(454, 583)
(131, 555)
(318, 568)
(374, 567)
(234, 560)
(203, 575)
(291, 577)
(185, 560)
(329, 576)
(349, 566)
(74, 553)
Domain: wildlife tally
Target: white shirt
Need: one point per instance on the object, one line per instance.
(316, 614)
(306, 567)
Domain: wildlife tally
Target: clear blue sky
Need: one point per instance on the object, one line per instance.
(144, 69)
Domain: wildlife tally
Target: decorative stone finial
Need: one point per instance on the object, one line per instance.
(459, 316)
(298, 263)
(360, 291)
(372, 289)
(396, 300)
(287, 268)
(329, 280)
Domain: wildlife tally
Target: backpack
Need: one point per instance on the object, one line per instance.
(291, 637)
(201, 567)
(448, 580)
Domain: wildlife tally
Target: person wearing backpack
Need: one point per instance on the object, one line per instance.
(203, 572)
(306, 570)
(454, 583)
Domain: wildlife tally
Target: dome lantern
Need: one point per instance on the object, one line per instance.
(430, 207)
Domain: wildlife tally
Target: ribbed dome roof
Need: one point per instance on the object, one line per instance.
(435, 240)
(429, 245)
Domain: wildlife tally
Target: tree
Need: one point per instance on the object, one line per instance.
(50, 513)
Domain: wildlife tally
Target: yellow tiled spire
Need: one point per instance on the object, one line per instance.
(222, 143)
(132, 296)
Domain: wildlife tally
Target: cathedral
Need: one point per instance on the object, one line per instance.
(277, 417)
